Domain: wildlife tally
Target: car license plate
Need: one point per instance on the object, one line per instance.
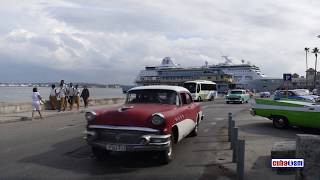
(115, 147)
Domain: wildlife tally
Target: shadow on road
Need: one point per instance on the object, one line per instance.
(75, 155)
(266, 128)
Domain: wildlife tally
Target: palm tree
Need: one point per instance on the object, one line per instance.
(315, 51)
(307, 50)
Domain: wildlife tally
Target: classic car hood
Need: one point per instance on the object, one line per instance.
(131, 114)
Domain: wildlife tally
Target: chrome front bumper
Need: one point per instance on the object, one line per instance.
(233, 100)
(148, 142)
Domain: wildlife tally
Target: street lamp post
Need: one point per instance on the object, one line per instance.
(315, 51)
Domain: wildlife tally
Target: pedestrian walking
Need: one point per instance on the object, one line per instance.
(53, 97)
(65, 89)
(62, 96)
(36, 98)
(85, 96)
(71, 93)
(77, 96)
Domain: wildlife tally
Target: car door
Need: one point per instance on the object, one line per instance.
(188, 122)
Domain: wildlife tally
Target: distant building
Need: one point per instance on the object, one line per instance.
(299, 83)
(310, 78)
(266, 84)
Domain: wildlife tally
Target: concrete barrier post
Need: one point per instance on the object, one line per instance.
(240, 161)
(235, 145)
(308, 149)
(232, 133)
(229, 126)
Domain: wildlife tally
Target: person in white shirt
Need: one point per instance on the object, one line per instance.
(53, 97)
(77, 96)
(62, 96)
(36, 98)
(71, 94)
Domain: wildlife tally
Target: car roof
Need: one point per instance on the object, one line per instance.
(162, 87)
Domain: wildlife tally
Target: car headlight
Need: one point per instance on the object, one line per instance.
(90, 116)
(157, 119)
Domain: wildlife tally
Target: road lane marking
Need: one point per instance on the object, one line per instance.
(206, 130)
(219, 119)
(213, 123)
(69, 126)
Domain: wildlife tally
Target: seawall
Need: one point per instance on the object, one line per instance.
(7, 108)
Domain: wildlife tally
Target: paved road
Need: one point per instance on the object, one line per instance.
(53, 148)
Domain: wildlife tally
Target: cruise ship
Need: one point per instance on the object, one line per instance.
(224, 74)
(242, 73)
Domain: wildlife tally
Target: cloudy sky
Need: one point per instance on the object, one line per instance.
(110, 41)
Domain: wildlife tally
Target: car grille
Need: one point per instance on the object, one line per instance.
(233, 98)
(120, 136)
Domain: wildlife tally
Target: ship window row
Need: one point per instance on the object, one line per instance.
(177, 78)
(242, 70)
(187, 73)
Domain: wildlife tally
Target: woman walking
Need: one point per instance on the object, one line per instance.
(36, 98)
(85, 96)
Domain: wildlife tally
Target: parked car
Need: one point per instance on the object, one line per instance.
(265, 94)
(305, 91)
(295, 95)
(285, 113)
(153, 118)
(238, 96)
(314, 91)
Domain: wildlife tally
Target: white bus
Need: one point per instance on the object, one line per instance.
(201, 89)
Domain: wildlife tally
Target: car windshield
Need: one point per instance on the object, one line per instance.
(236, 92)
(190, 86)
(152, 96)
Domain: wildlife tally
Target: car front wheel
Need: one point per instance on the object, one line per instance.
(280, 122)
(167, 155)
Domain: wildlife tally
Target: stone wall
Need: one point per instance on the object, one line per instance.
(308, 148)
(7, 108)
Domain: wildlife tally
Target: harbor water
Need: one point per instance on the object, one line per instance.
(23, 94)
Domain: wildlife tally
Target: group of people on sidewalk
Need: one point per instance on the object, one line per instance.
(68, 94)
(60, 97)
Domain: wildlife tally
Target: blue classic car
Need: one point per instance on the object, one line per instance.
(295, 95)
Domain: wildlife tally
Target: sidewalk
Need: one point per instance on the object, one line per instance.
(260, 136)
(26, 116)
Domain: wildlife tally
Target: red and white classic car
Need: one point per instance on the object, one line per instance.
(153, 118)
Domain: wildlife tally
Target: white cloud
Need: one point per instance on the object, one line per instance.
(110, 41)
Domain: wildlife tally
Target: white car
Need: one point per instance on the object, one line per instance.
(315, 92)
(265, 94)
